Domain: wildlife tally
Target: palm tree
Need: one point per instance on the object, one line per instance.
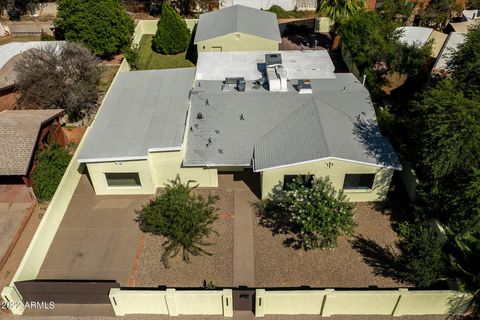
(339, 11)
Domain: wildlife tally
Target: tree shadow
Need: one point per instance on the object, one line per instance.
(376, 145)
(383, 260)
(276, 219)
(192, 54)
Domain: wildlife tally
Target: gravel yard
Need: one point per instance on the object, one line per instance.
(361, 261)
(217, 268)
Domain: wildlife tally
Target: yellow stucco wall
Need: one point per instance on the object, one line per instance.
(336, 170)
(166, 165)
(97, 172)
(155, 172)
(237, 42)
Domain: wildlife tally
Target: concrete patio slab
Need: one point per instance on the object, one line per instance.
(97, 238)
(16, 206)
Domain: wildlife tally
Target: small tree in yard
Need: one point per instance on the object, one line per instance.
(58, 77)
(184, 218)
(172, 35)
(50, 165)
(319, 214)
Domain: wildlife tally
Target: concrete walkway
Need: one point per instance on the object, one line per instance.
(243, 250)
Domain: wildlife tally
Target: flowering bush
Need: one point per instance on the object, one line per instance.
(318, 213)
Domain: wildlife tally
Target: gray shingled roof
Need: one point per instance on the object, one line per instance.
(238, 19)
(143, 111)
(19, 131)
(284, 128)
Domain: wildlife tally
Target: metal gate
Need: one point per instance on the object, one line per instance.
(244, 300)
(61, 292)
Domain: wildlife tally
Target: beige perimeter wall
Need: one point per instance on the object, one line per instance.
(172, 302)
(335, 170)
(360, 302)
(237, 42)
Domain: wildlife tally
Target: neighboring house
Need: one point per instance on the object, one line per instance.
(22, 133)
(237, 28)
(151, 128)
(453, 41)
(470, 19)
(420, 36)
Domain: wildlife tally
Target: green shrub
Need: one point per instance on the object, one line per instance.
(183, 218)
(317, 213)
(46, 37)
(132, 54)
(103, 26)
(421, 254)
(50, 165)
(172, 35)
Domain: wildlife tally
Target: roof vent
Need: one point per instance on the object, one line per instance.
(304, 87)
(273, 59)
(199, 116)
(241, 84)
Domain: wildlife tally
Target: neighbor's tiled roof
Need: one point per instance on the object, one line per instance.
(238, 19)
(19, 130)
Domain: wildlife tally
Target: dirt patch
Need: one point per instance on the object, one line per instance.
(358, 262)
(8, 101)
(74, 134)
(217, 268)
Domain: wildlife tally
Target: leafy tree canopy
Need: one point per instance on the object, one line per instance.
(58, 77)
(50, 165)
(438, 13)
(448, 126)
(396, 10)
(312, 210)
(465, 62)
(103, 26)
(422, 255)
(340, 10)
(183, 218)
(172, 35)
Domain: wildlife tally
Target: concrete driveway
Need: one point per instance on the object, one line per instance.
(97, 238)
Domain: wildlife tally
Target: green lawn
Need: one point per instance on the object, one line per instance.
(148, 59)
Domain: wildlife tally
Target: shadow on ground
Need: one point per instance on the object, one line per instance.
(384, 261)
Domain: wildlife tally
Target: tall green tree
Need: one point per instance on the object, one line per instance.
(172, 35)
(183, 218)
(465, 62)
(103, 26)
(448, 128)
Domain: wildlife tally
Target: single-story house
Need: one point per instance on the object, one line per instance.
(22, 132)
(453, 41)
(237, 28)
(150, 128)
(420, 36)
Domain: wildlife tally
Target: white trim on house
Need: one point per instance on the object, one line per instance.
(326, 158)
